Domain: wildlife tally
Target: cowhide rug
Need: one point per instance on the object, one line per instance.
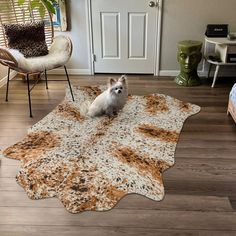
(90, 164)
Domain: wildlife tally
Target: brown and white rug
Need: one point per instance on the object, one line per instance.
(90, 164)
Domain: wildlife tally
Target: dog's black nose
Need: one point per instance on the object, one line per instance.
(119, 91)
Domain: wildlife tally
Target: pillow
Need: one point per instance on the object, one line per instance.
(28, 38)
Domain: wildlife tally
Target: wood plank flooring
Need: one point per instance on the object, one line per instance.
(200, 188)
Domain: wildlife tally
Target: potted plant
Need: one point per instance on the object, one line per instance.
(40, 5)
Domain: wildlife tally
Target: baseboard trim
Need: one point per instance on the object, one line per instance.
(70, 72)
(168, 72)
(176, 72)
(3, 81)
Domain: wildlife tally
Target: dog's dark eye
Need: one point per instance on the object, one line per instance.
(121, 87)
(116, 88)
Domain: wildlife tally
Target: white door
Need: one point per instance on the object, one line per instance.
(124, 33)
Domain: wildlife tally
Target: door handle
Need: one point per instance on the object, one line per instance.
(153, 4)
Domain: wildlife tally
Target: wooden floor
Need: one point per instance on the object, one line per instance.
(200, 189)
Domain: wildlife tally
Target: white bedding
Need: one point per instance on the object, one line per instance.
(233, 95)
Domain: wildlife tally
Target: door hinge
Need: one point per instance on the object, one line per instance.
(94, 57)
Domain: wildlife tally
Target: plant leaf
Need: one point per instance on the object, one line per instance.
(42, 10)
(21, 2)
(34, 4)
(53, 1)
(49, 6)
(4, 7)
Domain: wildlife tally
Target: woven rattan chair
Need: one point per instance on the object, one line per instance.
(14, 13)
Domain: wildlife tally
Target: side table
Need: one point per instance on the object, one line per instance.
(224, 54)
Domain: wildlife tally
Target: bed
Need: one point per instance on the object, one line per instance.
(232, 103)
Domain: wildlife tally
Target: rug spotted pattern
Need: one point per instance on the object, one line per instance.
(90, 164)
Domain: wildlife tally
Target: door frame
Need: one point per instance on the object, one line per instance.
(158, 30)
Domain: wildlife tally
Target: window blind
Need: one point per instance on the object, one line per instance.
(12, 12)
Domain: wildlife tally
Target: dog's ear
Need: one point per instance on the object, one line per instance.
(111, 81)
(123, 79)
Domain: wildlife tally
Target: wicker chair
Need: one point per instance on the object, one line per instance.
(13, 13)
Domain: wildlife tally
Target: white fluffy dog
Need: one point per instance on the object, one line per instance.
(112, 100)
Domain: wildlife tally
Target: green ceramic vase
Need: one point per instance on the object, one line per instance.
(189, 56)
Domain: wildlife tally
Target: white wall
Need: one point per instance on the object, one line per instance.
(77, 21)
(187, 19)
(3, 74)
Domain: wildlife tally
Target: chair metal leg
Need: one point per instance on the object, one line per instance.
(69, 84)
(28, 85)
(8, 80)
(215, 76)
(209, 71)
(46, 79)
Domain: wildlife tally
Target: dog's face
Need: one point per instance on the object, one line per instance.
(118, 87)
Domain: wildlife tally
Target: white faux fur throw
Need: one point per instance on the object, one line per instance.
(59, 54)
